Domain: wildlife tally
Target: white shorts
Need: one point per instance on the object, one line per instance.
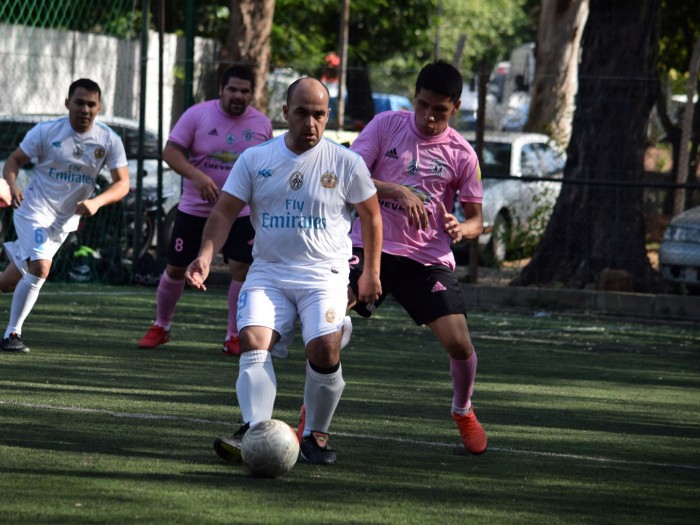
(34, 242)
(320, 310)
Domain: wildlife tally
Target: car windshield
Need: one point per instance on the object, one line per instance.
(11, 134)
(130, 138)
(496, 159)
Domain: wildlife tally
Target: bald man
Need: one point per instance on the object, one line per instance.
(300, 188)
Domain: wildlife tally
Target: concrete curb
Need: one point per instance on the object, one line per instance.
(658, 307)
(676, 307)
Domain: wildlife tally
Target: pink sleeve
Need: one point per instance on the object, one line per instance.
(368, 143)
(471, 189)
(183, 131)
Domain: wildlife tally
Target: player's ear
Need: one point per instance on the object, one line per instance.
(67, 103)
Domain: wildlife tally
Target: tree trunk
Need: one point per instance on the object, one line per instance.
(596, 224)
(248, 42)
(557, 53)
(687, 126)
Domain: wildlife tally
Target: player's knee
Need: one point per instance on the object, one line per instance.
(459, 350)
(324, 352)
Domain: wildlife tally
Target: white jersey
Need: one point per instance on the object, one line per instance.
(300, 208)
(67, 165)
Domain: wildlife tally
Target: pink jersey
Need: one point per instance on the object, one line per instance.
(434, 167)
(214, 140)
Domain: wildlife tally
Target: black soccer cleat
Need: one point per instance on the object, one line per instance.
(229, 449)
(315, 449)
(14, 343)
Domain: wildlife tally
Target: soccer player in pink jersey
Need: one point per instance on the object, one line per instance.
(203, 147)
(418, 164)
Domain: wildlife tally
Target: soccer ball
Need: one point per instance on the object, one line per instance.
(269, 449)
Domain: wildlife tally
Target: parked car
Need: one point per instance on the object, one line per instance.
(382, 102)
(679, 253)
(13, 128)
(519, 194)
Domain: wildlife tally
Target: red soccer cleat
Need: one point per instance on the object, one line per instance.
(473, 436)
(231, 347)
(155, 336)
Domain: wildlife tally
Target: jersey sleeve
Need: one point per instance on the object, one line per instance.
(182, 133)
(471, 189)
(116, 157)
(239, 182)
(32, 144)
(368, 143)
(361, 186)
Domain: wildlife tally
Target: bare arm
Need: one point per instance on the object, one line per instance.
(176, 158)
(116, 192)
(369, 285)
(214, 236)
(14, 162)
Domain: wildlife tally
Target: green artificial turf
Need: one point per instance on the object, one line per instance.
(590, 420)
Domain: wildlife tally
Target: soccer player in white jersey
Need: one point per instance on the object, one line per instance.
(418, 164)
(300, 188)
(69, 152)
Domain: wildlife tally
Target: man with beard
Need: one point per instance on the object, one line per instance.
(203, 147)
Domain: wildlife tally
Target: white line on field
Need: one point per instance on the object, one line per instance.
(140, 415)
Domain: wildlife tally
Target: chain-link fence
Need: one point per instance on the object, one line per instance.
(45, 45)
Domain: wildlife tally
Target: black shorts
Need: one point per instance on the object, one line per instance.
(187, 238)
(425, 292)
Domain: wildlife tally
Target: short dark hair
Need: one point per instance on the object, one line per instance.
(87, 84)
(442, 78)
(241, 72)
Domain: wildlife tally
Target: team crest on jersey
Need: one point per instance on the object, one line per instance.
(413, 167)
(296, 181)
(437, 167)
(330, 315)
(230, 139)
(56, 144)
(77, 152)
(248, 135)
(329, 180)
(100, 153)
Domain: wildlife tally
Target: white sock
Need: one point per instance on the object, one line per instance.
(256, 387)
(23, 300)
(347, 332)
(321, 396)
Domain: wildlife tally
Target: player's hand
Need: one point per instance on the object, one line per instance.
(86, 208)
(369, 288)
(415, 209)
(206, 187)
(451, 224)
(197, 272)
(16, 195)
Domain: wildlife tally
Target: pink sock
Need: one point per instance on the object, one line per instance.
(233, 291)
(169, 293)
(463, 374)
